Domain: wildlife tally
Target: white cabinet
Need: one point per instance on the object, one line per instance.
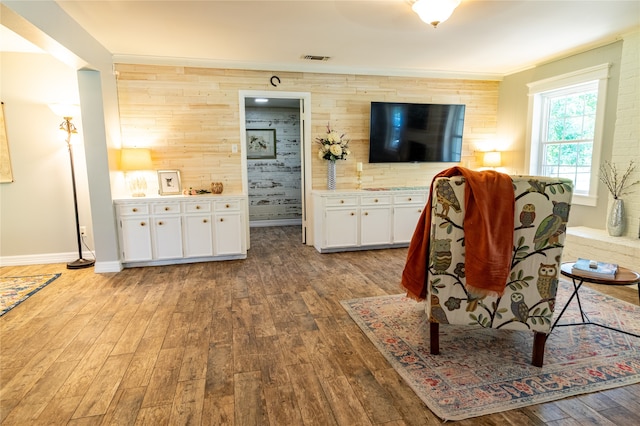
(228, 225)
(352, 220)
(198, 229)
(158, 231)
(407, 209)
(375, 220)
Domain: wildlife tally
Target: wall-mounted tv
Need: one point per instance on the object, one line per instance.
(408, 132)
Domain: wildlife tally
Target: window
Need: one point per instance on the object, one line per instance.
(566, 116)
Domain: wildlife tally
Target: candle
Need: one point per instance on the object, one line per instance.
(359, 167)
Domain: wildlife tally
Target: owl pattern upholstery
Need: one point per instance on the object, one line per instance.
(541, 213)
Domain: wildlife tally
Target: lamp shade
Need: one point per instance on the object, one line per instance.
(434, 12)
(65, 110)
(135, 159)
(492, 159)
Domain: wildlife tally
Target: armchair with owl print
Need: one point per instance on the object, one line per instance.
(541, 213)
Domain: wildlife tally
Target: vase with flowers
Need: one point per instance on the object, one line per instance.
(617, 185)
(333, 147)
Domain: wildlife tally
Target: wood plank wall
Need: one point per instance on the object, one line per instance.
(189, 117)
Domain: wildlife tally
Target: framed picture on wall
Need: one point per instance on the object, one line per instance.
(169, 182)
(261, 144)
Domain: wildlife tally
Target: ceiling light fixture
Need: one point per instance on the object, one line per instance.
(434, 12)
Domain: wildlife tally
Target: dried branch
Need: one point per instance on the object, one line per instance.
(615, 184)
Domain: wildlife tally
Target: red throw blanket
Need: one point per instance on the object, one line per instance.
(488, 228)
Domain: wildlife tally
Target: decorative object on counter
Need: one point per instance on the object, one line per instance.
(216, 187)
(492, 159)
(132, 161)
(261, 144)
(67, 112)
(169, 182)
(359, 174)
(333, 147)
(617, 185)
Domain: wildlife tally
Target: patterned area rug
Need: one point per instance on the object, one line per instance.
(15, 290)
(483, 371)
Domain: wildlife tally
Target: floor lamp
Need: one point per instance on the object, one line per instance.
(70, 129)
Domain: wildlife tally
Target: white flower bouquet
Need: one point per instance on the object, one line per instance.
(333, 146)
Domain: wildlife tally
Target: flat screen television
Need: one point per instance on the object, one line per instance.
(409, 133)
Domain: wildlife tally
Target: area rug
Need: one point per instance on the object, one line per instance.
(15, 290)
(482, 371)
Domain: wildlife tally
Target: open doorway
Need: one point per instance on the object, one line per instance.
(274, 128)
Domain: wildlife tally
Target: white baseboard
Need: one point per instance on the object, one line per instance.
(49, 258)
(38, 259)
(275, 222)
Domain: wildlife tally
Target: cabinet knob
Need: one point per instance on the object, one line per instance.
(160, 223)
(375, 201)
(134, 209)
(341, 201)
(352, 213)
(221, 220)
(409, 198)
(366, 213)
(227, 206)
(166, 209)
(419, 210)
(204, 220)
(197, 207)
(142, 224)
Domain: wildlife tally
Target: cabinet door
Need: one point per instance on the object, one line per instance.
(135, 239)
(167, 241)
(405, 219)
(375, 225)
(341, 227)
(228, 234)
(198, 236)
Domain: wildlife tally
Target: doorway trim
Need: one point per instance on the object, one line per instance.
(305, 146)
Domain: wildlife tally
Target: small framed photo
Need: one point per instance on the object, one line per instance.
(261, 144)
(169, 182)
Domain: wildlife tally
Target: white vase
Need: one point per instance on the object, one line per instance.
(616, 220)
(331, 175)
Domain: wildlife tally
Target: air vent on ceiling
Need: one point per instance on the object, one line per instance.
(315, 58)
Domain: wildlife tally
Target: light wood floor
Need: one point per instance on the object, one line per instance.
(262, 341)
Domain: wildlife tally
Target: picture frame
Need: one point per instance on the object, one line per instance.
(169, 182)
(261, 144)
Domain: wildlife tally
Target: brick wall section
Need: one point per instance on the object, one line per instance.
(190, 118)
(275, 185)
(626, 145)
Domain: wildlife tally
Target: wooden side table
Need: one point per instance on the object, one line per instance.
(623, 277)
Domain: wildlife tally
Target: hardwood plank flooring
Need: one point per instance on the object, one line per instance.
(263, 341)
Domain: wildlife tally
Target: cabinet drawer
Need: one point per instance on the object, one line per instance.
(341, 201)
(133, 209)
(165, 208)
(371, 200)
(197, 207)
(228, 205)
(417, 198)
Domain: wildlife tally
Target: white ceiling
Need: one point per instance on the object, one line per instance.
(483, 38)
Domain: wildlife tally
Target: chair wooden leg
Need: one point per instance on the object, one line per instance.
(434, 338)
(539, 341)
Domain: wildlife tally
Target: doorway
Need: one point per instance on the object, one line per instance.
(276, 179)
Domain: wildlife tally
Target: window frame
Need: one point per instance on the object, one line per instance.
(537, 90)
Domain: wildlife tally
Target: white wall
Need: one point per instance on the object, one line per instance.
(36, 210)
(512, 117)
(626, 141)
